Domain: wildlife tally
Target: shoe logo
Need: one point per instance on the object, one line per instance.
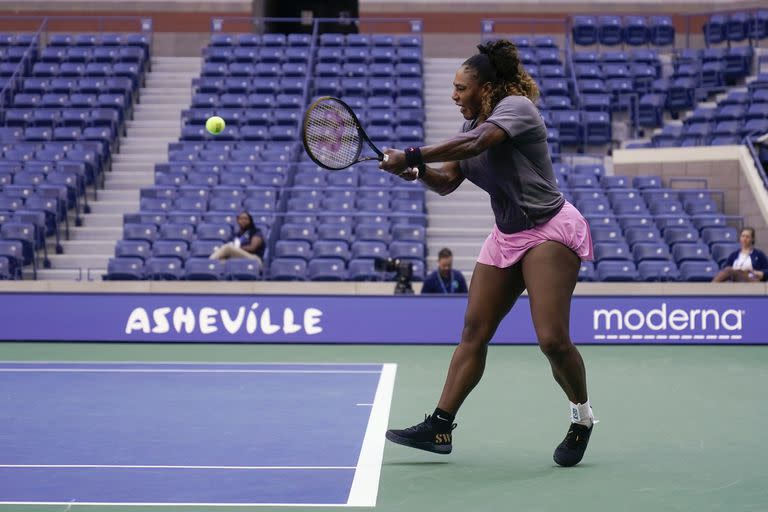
(441, 418)
(443, 438)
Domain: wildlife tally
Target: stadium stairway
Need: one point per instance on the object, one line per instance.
(156, 122)
(462, 221)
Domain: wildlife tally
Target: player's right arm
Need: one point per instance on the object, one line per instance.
(443, 180)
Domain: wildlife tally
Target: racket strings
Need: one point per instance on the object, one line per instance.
(331, 135)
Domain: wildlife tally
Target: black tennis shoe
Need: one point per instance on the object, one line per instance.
(571, 450)
(427, 435)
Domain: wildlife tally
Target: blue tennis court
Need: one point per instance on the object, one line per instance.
(193, 434)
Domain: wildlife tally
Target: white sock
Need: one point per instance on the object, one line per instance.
(582, 414)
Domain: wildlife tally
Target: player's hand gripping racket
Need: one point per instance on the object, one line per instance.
(333, 137)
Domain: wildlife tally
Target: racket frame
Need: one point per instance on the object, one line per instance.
(364, 136)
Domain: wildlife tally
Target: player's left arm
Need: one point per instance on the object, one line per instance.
(459, 147)
(464, 145)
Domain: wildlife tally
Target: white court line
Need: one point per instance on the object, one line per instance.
(364, 405)
(126, 466)
(179, 363)
(168, 370)
(181, 504)
(365, 485)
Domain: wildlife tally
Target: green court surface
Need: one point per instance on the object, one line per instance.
(681, 428)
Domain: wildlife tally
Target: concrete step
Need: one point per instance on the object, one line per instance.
(163, 133)
(80, 261)
(122, 177)
(103, 220)
(53, 274)
(94, 233)
(178, 67)
(465, 264)
(142, 109)
(169, 96)
(465, 207)
(473, 197)
(468, 250)
(137, 159)
(468, 244)
(144, 122)
(459, 233)
(119, 195)
(145, 145)
(160, 116)
(88, 247)
(119, 174)
(124, 170)
(113, 206)
(130, 184)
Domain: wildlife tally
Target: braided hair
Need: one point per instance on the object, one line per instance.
(498, 63)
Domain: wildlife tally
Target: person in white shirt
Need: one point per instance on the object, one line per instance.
(745, 265)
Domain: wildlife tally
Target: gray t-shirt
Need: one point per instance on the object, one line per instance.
(516, 173)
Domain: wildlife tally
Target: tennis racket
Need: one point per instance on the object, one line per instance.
(333, 137)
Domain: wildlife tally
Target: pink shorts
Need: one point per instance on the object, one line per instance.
(568, 227)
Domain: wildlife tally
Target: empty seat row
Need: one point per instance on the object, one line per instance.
(632, 30)
(200, 268)
(623, 271)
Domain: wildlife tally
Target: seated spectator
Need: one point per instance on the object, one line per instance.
(247, 243)
(747, 264)
(445, 279)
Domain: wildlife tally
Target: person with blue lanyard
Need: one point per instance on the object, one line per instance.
(445, 279)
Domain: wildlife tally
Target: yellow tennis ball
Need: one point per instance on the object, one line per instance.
(215, 125)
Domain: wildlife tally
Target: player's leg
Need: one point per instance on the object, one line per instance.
(492, 293)
(551, 271)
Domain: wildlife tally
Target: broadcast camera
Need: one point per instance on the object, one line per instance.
(403, 273)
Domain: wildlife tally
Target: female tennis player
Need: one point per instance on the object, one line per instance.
(537, 243)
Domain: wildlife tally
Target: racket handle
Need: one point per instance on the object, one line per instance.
(384, 158)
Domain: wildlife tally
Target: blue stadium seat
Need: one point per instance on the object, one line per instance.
(690, 252)
(242, 269)
(584, 30)
(338, 249)
(651, 270)
(719, 235)
(363, 270)
(203, 269)
(177, 232)
(612, 251)
(335, 232)
(714, 29)
(610, 30)
(701, 271)
(617, 271)
(163, 269)
(327, 269)
(647, 182)
(636, 31)
(587, 271)
(171, 249)
(146, 232)
(288, 269)
(406, 250)
(637, 235)
(651, 251)
(293, 249)
(125, 269)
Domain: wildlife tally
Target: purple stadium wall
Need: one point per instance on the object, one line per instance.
(688, 320)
